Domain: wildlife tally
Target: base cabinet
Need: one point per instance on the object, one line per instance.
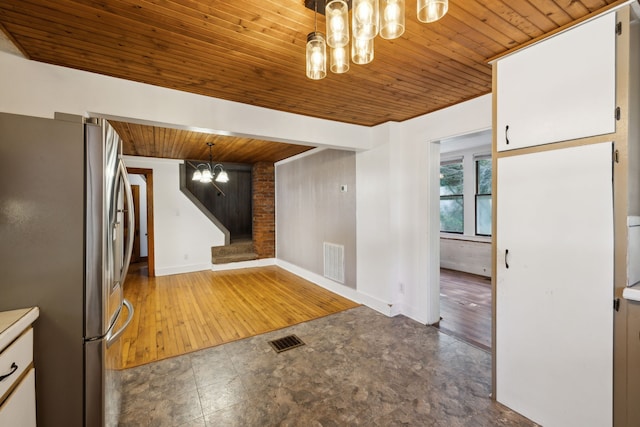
(19, 410)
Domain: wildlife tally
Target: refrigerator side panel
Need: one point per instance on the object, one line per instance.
(42, 252)
(96, 318)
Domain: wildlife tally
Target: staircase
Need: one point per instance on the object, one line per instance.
(237, 251)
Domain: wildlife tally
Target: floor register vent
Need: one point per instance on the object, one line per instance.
(286, 343)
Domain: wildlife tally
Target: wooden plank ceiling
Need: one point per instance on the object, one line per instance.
(253, 51)
(151, 141)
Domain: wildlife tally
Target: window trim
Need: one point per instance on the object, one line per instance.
(476, 159)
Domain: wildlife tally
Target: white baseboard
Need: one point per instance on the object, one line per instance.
(344, 291)
(180, 269)
(264, 262)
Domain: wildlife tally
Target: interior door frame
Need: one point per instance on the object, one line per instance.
(148, 174)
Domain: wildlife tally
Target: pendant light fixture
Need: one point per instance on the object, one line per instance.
(337, 16)
(339, 60)
(362, 51)
(432, 10)
(391, 19)
(316, 52)
(365, 18)
(205, 172)
(368, 19)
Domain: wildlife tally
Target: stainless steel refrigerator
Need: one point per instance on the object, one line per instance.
(64, 203)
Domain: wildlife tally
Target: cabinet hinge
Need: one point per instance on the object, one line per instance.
(616, 304)
(616, 156)
(618, 112)
(619, 28)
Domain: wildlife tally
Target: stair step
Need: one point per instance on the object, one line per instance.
(234, 248)
(225, 259)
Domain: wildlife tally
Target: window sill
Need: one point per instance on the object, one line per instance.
(452, 236)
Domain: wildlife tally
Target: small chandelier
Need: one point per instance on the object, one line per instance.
(205, 172)
(368, 19)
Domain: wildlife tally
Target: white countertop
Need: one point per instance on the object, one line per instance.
(14, 322)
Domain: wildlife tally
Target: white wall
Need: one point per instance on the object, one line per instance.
(38, 89)
(140, 181)
(183, 235)
(398, 205)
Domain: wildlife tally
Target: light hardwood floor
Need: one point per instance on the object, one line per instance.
(465, 307)
(182, 313)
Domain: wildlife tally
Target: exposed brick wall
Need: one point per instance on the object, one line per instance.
(264, 209)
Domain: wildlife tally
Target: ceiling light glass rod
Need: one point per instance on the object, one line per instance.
(432, 10)
(391, 19)
(316, 52)
(337, 17)
(365, 18)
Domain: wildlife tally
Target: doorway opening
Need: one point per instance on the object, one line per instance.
(465, 237)
(142, 257)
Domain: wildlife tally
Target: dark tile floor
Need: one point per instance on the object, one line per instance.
(358, 367)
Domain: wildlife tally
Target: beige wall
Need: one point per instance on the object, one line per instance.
(311, 209)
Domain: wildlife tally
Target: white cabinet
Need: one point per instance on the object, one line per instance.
(17, 375)
(554, 293)
(19, 410)
(560, 89)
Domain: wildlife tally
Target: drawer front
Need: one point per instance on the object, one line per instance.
(16, 358)
(19, 410)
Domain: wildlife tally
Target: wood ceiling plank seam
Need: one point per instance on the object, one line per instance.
(171, 23)
(574, 8)
(440, 74)
(447, 65)
(551, 10)
(506, 11)
(275, 20)
(472, 21)
(494, 20)
(150, 38)
(533, 15)
(114, 35)
(593, 5)
(451, 36)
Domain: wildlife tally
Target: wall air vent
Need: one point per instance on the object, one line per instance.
(334, 262)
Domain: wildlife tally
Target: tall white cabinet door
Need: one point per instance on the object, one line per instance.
(554, 296)
(560, 89)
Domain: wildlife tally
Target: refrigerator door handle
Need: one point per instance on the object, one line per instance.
(122, 171)
(111, 338)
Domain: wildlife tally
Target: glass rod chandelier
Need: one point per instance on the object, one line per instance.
(368, 19)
